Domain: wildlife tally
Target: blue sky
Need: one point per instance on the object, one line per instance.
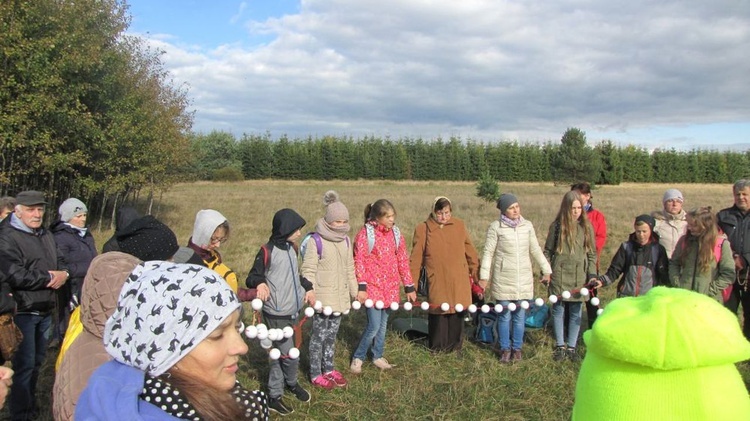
(654, 74)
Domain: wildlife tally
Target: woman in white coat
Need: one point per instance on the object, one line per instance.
(510, 245)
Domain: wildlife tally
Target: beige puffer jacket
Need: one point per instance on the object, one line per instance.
(508, 252)
(101, 288)
(670, 228)
(332, 275)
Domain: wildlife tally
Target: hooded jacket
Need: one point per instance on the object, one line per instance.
(572, 267)
(124, 217)
(276, 266)
(686, 273)
(635, 262)
(507, 255)
(98, 301)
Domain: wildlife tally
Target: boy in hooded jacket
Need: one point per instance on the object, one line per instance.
(275, 275)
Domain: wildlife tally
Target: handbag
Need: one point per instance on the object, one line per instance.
(423, 286)
(10, 336)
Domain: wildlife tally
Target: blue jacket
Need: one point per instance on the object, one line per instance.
(112, 394)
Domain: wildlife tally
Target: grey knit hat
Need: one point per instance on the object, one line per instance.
(505, 201)
(72, 208)
(672, 194)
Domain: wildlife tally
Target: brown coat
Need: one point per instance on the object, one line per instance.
(101, 288)
(450, 259)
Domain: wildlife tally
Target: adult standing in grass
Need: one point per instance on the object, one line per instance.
(671, 222)
(702, 260)
(168, 366)
(571, 252)
(76, 244)
(443, 246)
(35, 270)
(210, 231)
(735, 222)
(380, 264)
(599, 223)
(510, 246)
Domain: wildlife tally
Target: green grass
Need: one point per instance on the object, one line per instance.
(473, 385)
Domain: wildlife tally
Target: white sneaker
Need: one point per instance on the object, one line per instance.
(356, 366)
(382, 364)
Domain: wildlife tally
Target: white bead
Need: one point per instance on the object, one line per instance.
(394, 306)
(309, 312)
(407, 306)
(472, 308)
(356, 305)
(485, 308)
(257, 304)
(553, 299)
(274, 354)
(445, 306)
(459, 308)
(539, 302)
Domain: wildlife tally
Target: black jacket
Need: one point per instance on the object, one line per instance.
(736, 226)
(25, 262)
(77, 251)
(641, 267)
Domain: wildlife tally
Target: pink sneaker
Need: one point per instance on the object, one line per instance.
(324, 382)
(336, 378)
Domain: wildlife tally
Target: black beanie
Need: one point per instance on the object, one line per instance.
(148, 239)
(648, 219)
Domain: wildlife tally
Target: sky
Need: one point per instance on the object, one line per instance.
(655, 74)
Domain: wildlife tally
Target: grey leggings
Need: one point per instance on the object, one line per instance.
(323, 343)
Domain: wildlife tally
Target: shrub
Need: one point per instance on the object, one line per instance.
(487, 187)
(227, 174)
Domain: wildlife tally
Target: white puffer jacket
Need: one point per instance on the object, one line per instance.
(512, 249)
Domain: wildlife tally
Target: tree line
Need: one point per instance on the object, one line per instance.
(219, 155)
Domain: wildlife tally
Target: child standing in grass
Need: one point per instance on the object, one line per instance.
(571, 251)
(328, 264)
(702, 260)
(380, 263)
(275, 275)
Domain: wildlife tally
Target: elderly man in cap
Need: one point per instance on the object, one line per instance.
(735, 222)
(29, 262)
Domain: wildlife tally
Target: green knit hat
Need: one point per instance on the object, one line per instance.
(666, 355)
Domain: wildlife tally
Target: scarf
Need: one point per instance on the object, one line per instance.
(80, 231)
(511, 222)
(334, 234)
(159, 392)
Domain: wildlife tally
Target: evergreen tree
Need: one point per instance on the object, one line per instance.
(575, 161)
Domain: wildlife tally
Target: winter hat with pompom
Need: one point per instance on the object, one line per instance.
(335, 210)
(667, 355)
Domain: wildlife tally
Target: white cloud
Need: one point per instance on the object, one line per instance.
(519, 69)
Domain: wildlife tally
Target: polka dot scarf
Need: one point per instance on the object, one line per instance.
(160, 393)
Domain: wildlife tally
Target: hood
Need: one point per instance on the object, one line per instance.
(101, 288)
(125, 216)
(285, 223)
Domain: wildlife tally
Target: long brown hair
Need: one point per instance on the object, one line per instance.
(567, 224)
(705, 219)
(212, 404)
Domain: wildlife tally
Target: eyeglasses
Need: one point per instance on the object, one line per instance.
(219, 240)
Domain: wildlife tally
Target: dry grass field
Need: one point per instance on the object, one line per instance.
(423, 386)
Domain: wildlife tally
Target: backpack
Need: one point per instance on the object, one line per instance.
(318, 244)
(371, 236)
(486, 331)
(536, 317)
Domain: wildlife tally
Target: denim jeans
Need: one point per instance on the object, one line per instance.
(574, 322)
(374, 335)
(27, 361)
(511, 325)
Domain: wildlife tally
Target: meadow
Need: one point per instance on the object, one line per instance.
(472, 385)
